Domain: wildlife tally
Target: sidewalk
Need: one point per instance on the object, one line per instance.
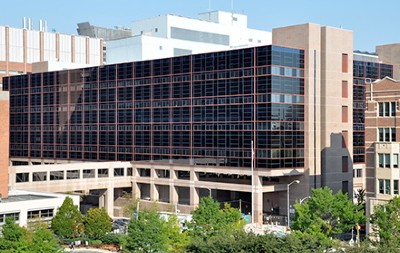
(93, 250)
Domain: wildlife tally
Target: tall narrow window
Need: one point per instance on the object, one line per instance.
(345, 93)
(387, 187)
(387, 109)
(345, 138)
(387, 160)
(395, 160)
(345, 164)
(345, 186)
(393, 134)
(381, 186)
(345, 63)
(396, 186)
(393, 109)
(345, 114)
(381, 162)
(380, 134)
(381, 109)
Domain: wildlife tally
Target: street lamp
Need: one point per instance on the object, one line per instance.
(303, 199)
(209, 190)
(288, 206)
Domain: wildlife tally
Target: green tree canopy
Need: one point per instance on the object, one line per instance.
(42, 239)
(208, 219)
(148, 233)
(68, 222)
(386, 222)
(325, 214)
(97, 223)
(14, 238)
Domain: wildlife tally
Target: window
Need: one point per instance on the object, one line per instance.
(56, 175)
(381, 186)
(4, 216)
(381, 162)
(386, 134)
(345, 186)
(345, 138)
(345, 164)
(22, 177)
(345, 93)
(129, 171)
(88, 173)
(72, 174)
(37, 214)
(387, 160)
(118, 172)
(386, 109)
(357, 173)
(345, 63)
(395, 160)
(39, 176)
(396, 186)
(387, 186)
(345, 112)
(102, 173)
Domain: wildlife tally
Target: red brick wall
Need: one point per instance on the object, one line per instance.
(4, 143)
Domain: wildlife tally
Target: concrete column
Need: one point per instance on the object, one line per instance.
(173, 195)
(154, 195)
(194, 193)
(135, 190)
(109, 201)
(258, 199)
(173, 192)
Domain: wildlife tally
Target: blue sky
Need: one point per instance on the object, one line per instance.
(373, 22)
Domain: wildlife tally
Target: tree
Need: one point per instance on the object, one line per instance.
(208, 220)
(42, 239)
(325, 214)
(13, 239)
(68, 222)
(148, 233)
(97, 223)
(177, 239)
(386, 222)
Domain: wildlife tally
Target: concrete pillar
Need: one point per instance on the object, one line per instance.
(194, 193)
(258, 199)
(135, 190)
(109, 201)
(173, 195)
(173, 191)
(154, 195)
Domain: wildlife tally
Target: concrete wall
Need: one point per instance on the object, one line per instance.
(323, 47)
(4, 141)
(390, 54)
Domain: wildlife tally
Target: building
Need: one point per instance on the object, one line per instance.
(4, 142)
(187, 123)
(28, 206)
(86, 29)
(20, 48)
(171, 35)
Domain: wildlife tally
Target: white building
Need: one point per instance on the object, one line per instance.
(25, 206)
(21, 47)
(171, 35)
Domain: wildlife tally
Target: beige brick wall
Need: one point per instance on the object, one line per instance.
(4, 142)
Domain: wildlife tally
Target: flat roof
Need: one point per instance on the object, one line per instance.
(24, 197)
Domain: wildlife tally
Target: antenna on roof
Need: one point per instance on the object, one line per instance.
(209, 5)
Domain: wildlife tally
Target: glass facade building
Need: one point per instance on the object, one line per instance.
(208, 106)
(362, 71)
